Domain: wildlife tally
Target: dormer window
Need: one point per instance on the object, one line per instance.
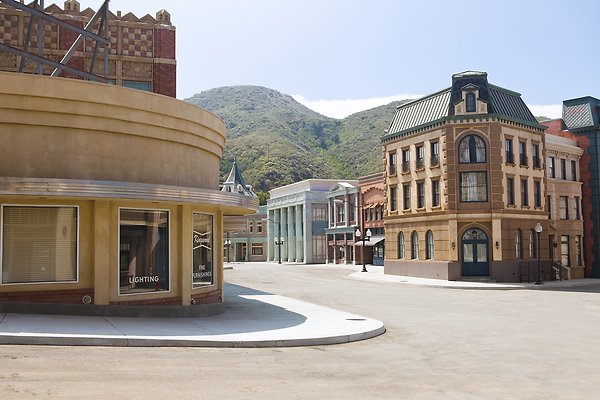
(470, 102)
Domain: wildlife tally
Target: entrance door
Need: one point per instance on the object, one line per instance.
(475, 259)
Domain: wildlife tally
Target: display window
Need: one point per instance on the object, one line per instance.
(202, 248)
(39, 244)
(144, 265)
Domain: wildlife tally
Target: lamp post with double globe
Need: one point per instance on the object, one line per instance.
(278, 239)
(538, 229)
(358, 233)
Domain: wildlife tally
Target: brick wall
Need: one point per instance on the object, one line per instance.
(48, 296)
(165, 79)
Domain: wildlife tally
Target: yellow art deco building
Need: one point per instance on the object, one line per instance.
(109, 197)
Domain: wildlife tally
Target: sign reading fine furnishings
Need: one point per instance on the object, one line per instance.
(202, 244)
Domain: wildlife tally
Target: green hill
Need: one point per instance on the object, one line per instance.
(277, 141)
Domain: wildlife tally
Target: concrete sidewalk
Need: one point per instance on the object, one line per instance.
(251, 319)
(375, 274)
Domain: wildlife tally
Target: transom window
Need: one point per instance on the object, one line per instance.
(471, 149)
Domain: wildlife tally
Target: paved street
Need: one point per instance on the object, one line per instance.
(440, 344)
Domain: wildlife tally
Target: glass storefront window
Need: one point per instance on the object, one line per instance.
(39, 244)
(202, 258)
(143, 251)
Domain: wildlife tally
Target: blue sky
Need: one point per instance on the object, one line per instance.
(339, 56)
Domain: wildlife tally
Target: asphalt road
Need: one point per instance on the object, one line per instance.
(440, 344)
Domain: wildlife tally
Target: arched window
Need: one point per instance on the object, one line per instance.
(519, 244)
(401, 245)
(471, 149)
(429, 245)
(414, 245)
(532, 244)
(470, 100)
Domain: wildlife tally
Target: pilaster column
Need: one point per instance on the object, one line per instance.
(284, 222)
(346, 210)
(277, 232)
(271, 236)
(299, 235)
(291, 236)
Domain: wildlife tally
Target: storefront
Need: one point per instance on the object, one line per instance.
(109, 196)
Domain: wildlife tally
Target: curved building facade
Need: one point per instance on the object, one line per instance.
(109, 195)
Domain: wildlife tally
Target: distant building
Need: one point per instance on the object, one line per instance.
(298, 217)
(464, 174)
(565, 239)
(250, 242)
(372, 199)
(235, 183)
(245, 237)
(141, 52)
(343, 218)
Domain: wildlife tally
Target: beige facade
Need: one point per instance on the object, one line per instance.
(119, 159)
(564, 196)
(455, 195)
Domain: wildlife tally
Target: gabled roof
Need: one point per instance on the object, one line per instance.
(438, 107)
(235, 183)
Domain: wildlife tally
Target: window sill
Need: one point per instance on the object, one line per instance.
(438, 207)
(511, 206)
(523, 165)
(419, 169)
(420, 209)
(434, 166)
(525, 207)
(512, 164)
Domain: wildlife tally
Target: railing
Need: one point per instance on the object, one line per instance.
(510, 157)
(560, 271)
(420, 163)
(536, 162)
(392, 169)
(406, 167)
(435, 161)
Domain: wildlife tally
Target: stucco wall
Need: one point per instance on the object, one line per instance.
(63, 128)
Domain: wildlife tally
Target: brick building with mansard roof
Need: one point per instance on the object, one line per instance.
(465, 173)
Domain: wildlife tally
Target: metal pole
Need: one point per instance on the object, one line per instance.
(228, 244)
(279, 241)
(539, 263)
(364, 231)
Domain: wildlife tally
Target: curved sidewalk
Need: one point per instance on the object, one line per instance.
(251, 319)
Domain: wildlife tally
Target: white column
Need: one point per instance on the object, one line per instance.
(299, 234)
(291, 236)
(284, 222)
(277, 233)
(271, 235)
(346, 210)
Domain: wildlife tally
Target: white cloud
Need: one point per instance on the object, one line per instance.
(343, 108)
(546, 110)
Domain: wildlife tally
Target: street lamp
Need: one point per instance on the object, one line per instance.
(366, 236)
(279, 242)
(358, 233)
(227, 246)
(538, 229)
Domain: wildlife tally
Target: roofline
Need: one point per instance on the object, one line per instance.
(505, 90)
(581, 98)
(459, 117)
(423, 98)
